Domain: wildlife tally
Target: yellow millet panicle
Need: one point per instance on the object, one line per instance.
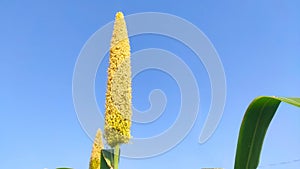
(96, 151)
(118, 94)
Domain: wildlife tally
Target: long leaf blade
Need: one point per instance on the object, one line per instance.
(255, 124)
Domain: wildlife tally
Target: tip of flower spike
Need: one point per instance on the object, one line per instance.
(119, 15)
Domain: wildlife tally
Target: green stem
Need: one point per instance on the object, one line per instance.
(116, 156)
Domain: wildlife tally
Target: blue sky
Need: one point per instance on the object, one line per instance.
(257, 41)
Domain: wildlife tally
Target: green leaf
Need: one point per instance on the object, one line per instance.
(254, 127)
(107, 158)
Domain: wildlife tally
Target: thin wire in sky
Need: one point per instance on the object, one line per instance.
(280, 163)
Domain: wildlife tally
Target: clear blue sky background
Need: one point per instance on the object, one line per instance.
(257, 41)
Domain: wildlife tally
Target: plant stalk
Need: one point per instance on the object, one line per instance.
(116, 156)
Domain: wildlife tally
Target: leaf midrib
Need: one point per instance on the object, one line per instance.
(255, 131)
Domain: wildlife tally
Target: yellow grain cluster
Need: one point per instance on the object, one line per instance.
(118, 95)
(96, 151)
